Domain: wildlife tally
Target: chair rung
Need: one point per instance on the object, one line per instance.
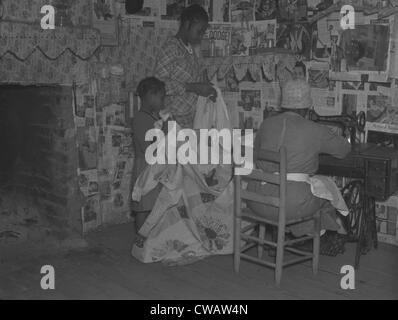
(299, 252)
(257, 260)
(248, 246)
(295, 221)
(261, 175)
(297, 260)
(256, 197)
(258, 240)
(290, 242)
(249, 215)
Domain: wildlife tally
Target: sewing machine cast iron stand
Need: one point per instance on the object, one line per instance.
(375, 173)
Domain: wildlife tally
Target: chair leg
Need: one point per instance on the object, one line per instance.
(316, 243)
(237, 248)
(279, 255)
(261, 235)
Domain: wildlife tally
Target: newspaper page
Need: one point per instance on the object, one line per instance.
(91, 214)
(242, 11)
(250, 110)
(221, 11)
(263, 34)
(241, 40)
(88, 182)
(217, 40)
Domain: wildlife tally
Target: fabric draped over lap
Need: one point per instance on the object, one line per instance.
(325, 188)
(193, 215)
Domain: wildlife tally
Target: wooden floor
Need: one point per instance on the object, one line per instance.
(106, 270)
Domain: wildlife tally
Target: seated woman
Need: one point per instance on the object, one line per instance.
(304, 140)
(152, 94)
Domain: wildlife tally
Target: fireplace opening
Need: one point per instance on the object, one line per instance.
(37, 160)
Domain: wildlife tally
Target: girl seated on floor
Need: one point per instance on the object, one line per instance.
(152, 93)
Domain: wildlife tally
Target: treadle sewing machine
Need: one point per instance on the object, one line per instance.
(377, 170)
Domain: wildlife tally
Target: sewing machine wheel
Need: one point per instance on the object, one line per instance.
(361, 121)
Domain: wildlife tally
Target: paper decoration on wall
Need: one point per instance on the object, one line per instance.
(318, 78)
(21, 39)
(217, 40)
(38, 69)
(114, 116)
(349, 104)
(266, 10)
(292, 9)
(271, 95)
(29, 11)
(325, 28)
(91, 214)
(380, 110)
(393, 67)
(249, 105)
(323, 93)
(221, 11)
(241, 40)
(263, 34)
(85, 111)
(231, 82)
(88, 182)
(366, 48)
(295, 37)
(250, 99)
(105, 20)
(273, 65)
(242, 11)
(87, 147)
(353, 85)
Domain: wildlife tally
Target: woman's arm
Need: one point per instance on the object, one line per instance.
(204, 89)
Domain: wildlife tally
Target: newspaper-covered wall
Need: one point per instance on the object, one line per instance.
(105, 158)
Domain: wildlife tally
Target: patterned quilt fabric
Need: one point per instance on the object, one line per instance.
(191, 220)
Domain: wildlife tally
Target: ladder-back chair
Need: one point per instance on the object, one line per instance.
(241, 195)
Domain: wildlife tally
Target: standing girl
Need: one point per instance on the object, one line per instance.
(152, 93)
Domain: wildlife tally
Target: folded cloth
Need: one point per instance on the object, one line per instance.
(325, 188)
(211, 114)
(147, 181)
(322, 187)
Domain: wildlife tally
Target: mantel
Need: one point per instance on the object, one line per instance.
(22, 39)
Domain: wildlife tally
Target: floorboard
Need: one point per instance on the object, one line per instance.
(106, 270)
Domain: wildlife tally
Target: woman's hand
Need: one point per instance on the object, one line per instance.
(203, 89)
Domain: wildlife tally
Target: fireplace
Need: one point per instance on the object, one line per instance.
(37, 161)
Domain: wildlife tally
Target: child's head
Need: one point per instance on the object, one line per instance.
(152, 92)
(299, 70)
